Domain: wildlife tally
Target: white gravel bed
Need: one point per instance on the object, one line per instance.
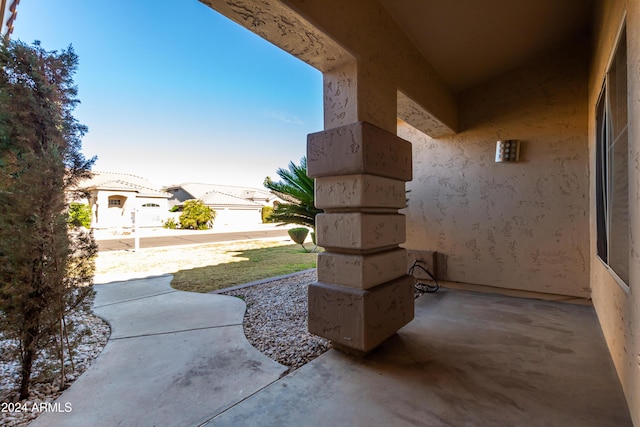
(276, 320)
(92, 333)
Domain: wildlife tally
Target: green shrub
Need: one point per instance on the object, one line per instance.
(174, 208)
(298, 234)
(170, 224)
(266, 214)
(296, 191)
(196, 216)
(79, 215)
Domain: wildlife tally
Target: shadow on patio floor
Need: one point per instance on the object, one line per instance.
(466, 359)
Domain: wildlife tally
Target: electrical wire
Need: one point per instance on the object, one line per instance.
(428, 288)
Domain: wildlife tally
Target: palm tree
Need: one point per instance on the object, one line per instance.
(296, 189)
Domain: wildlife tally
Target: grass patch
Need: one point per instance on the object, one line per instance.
(245, 266)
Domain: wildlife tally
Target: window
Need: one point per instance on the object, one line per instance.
(116, 201)
(151, 205)
(612, 170)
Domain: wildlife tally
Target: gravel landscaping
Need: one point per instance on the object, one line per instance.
(92, 333)
(276, 320)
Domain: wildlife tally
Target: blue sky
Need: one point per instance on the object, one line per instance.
(175, 92)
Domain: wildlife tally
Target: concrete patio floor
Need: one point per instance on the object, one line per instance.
(468, 359)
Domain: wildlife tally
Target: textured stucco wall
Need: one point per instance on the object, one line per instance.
(619, 308)
(522, 225)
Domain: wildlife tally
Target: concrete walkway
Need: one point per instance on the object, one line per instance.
(173, 359)
(468, 359)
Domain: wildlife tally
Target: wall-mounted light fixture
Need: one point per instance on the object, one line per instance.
(507, 151)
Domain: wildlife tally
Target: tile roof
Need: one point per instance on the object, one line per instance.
(216, 198)
(198, 190)
(122, 182)
(225, 195)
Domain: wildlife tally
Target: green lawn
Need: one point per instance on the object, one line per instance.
(248, 265)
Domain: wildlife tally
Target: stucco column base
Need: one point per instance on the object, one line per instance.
(363, 191)
(360, 270)
(357, 231)
(357, 318)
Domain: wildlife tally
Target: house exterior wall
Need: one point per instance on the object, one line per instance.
(619, 308)
(151, 216)
(104, 216)
(517, 225)
(237, 217)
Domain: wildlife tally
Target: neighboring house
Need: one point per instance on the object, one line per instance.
(420, 92)
(233, 205)
(260, 196)
(113, 197)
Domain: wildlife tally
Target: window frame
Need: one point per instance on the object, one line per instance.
(606, 119)
(114, 202)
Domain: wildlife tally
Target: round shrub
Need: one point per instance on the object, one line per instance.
(196, 215)
(298, 234)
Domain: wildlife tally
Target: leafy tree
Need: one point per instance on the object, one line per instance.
(296, 188)
(44, 265)
(196, 215)
(79, 215)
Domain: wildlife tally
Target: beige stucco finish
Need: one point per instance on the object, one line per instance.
(528, 225)
(522, 225)
(360, 319)
(361, 271)
(360, 231)
(367, 191)
(278, 23)
(363, 295)
(358, 148)
(618, 307)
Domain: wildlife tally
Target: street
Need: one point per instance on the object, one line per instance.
(154, 242)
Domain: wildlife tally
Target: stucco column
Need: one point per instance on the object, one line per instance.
(363, 295)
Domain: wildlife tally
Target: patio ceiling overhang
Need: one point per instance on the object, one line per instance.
(427, 51)
(469, 42)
